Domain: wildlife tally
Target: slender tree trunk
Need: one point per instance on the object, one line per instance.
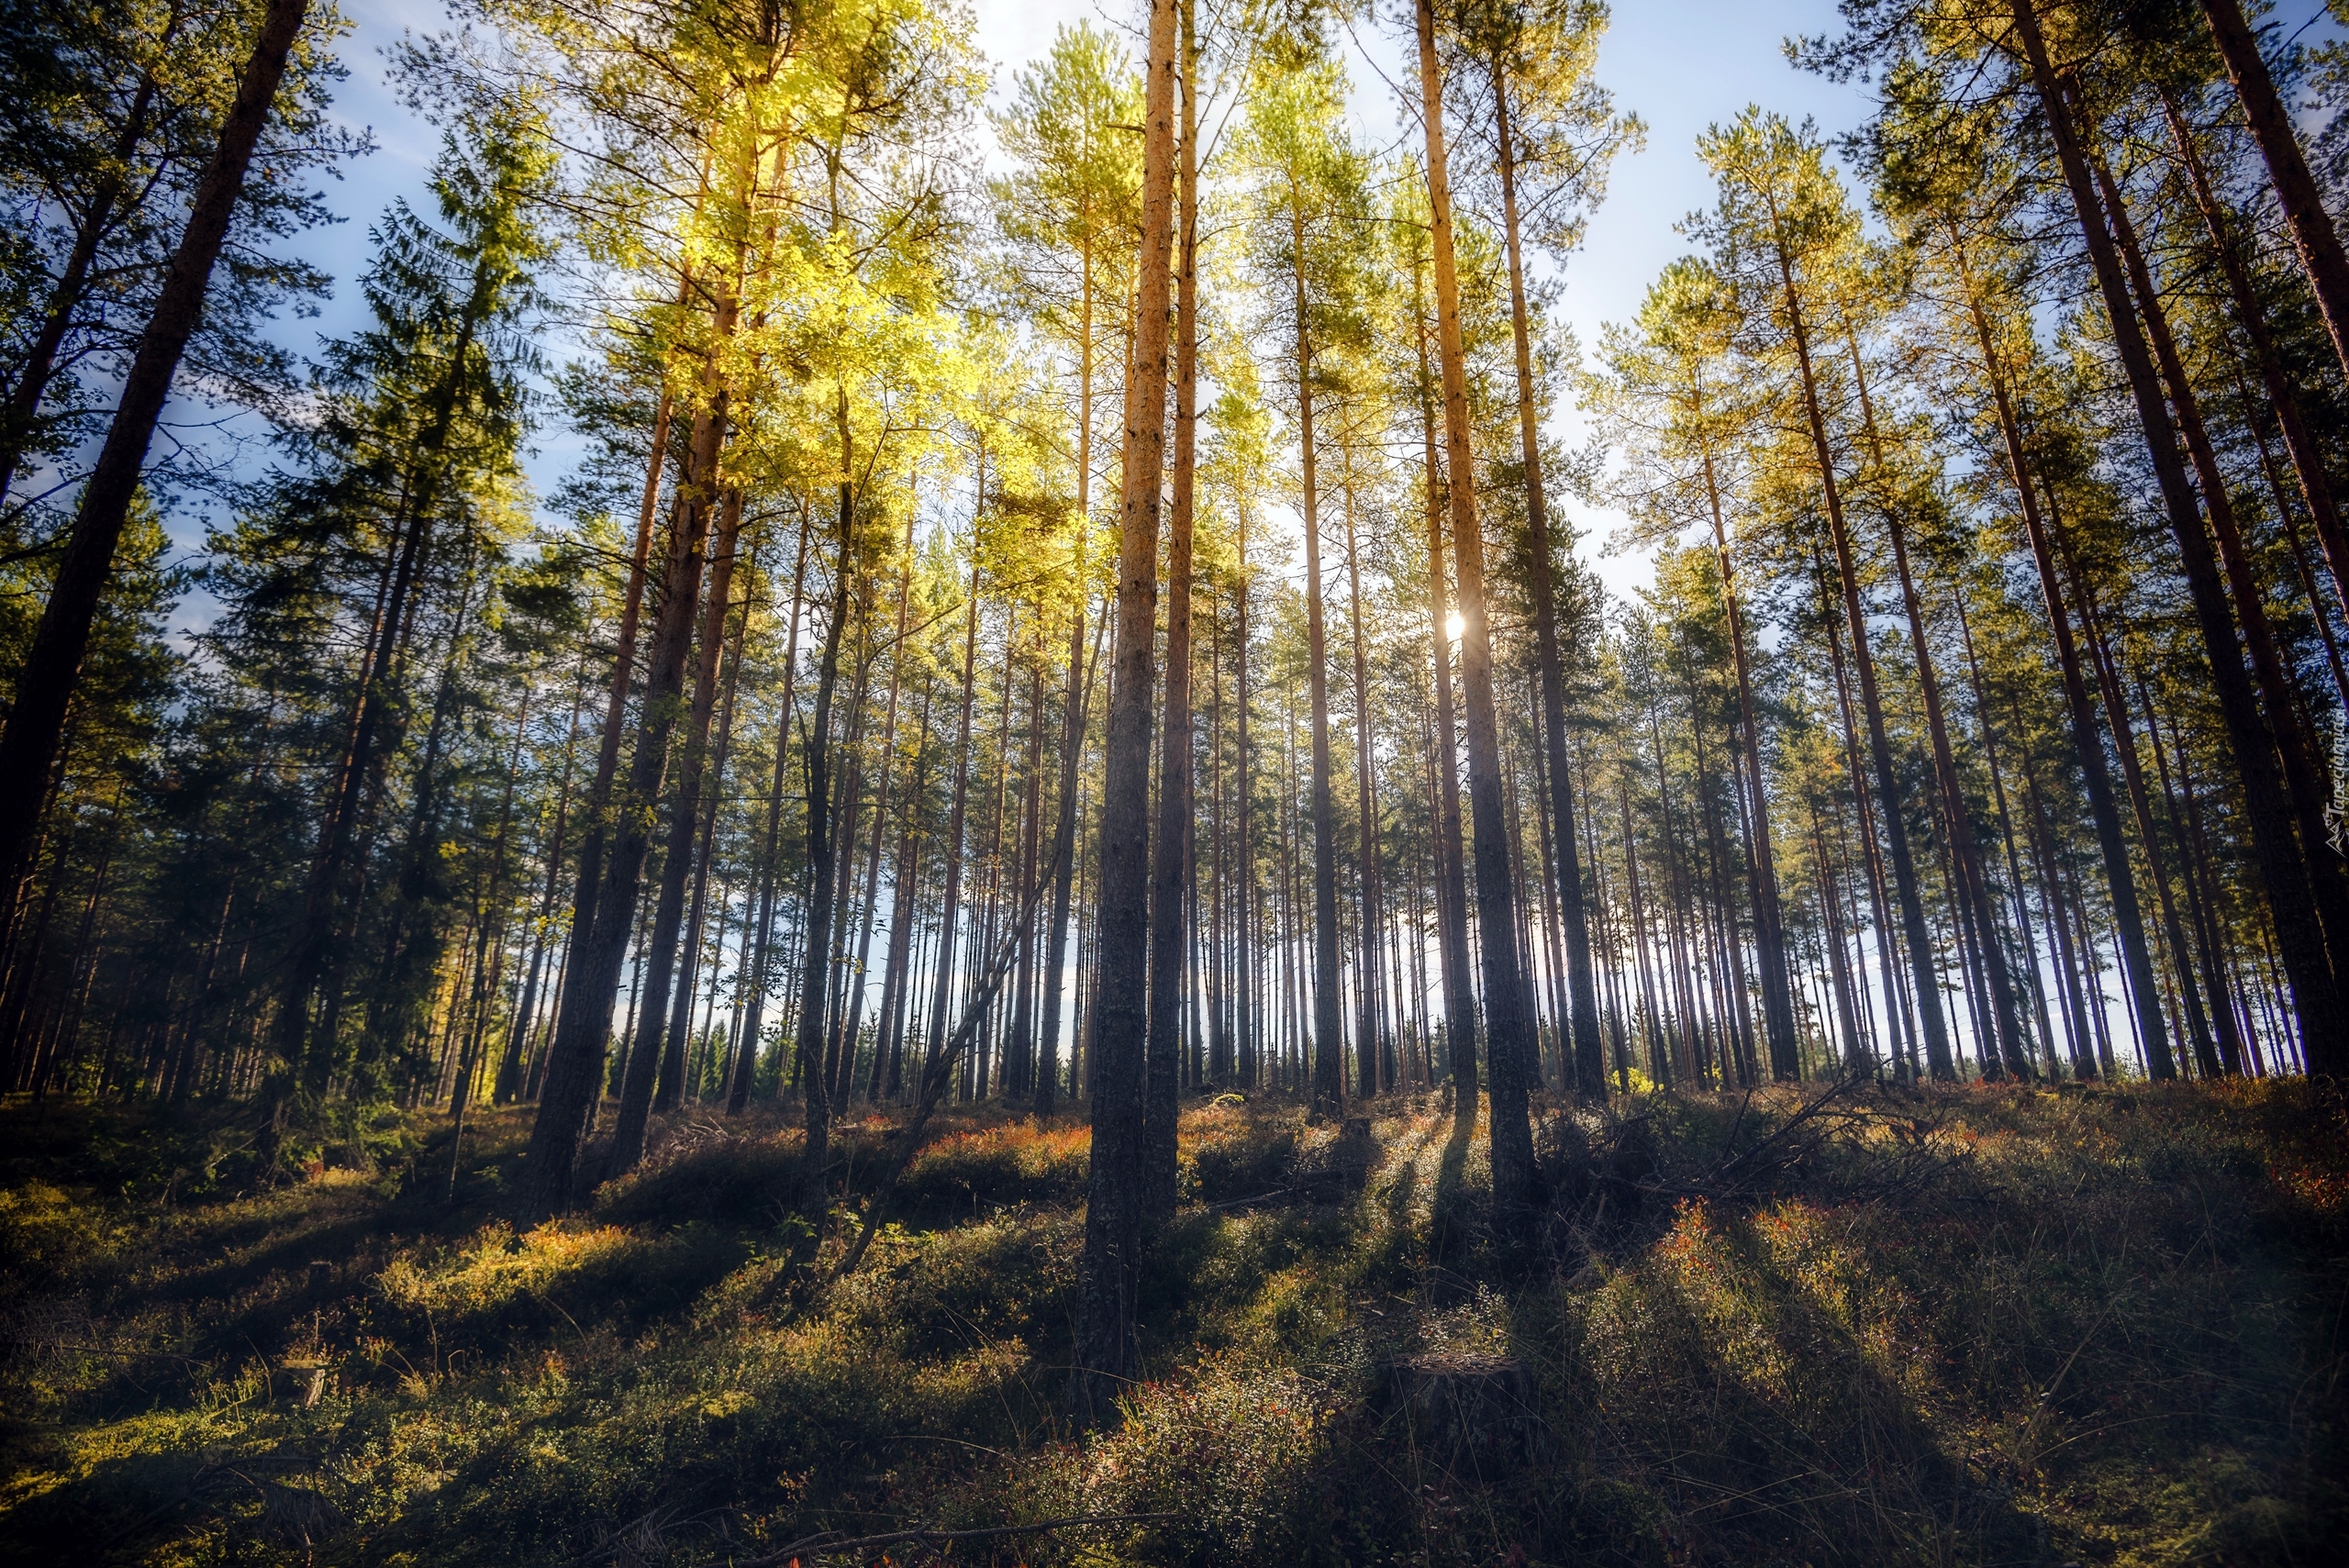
(575, 1058)
(2308, 459)
(807, 1053)
(1769, 919)
(2305, 783)
(672, 1057)
(1904, 866)
(1589, 1054)
(1104, 1359)
(1973, 883)
(2205, 933)
(1505, 1033)
(746, 1053)
(1170, 879)
(1329, 1020)
(2086, 745)
(2296, 189)
(1366, 1032)
(36, 724)
(2283, 869)
(1452, 901)
(638, 1090)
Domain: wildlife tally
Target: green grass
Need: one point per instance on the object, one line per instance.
(1977, 1325)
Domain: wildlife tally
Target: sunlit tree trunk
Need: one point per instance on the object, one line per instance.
(1505, 1030)
(1104, 1354)
(1170, 874)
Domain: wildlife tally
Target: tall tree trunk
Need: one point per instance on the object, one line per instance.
(807, 1053)
(1452, 901)
(2308, 459)
(2283, 869)
(2006, 826)
(2086, 745)
(1973, 882)
(1366, 1032)
(1329, 1019)
(673, 1056)
(1105, 1358)
(652, 1042)
(621, 835)
(1247, 1035)
(36, 724)
(1935, 1027)
(2116, 714)
(746, 1053)
(1589, 1054)
(1769, 918)
(517, 1042)
(1169, 874)
(1505, 1030)
(2271, 127)
(2304, 779)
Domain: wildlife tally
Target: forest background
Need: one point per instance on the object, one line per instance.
(670, 605)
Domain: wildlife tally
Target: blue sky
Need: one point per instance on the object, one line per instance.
(1680, 66)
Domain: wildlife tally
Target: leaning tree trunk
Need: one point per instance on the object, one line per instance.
(2284, 872)
(2271, 127)
(45, 684)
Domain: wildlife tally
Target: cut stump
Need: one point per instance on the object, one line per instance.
(1469, 1413)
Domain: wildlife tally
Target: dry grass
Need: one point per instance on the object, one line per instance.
(1965, 1327)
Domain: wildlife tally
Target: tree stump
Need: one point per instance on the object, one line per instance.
(1355, 1153)
(1471, 1413)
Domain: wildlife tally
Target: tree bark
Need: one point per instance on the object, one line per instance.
(1169, 874)
(1589, 1054)
(2271, 127)
(2283, 869)
(1505, 1033)
(1104, 1359)
(36, 724)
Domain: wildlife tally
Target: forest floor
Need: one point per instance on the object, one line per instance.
(1967, 1326)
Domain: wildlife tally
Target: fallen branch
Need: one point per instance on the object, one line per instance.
(825, 1545)
(1735, 1170)
(939, 1071)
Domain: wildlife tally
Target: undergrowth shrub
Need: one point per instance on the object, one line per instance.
(1947, 1327)
(968, 1172)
